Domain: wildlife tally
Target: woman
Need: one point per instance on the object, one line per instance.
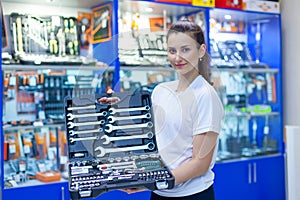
(188, 115)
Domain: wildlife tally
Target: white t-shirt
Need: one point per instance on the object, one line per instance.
(180, 116)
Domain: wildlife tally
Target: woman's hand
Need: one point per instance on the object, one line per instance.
(133, 190)
(109, 100)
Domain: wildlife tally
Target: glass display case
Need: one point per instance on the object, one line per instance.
(35, 146)
(246, 73)
(245, 49)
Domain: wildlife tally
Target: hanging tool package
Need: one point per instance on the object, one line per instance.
(113, 146)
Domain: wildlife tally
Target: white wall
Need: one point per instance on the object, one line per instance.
(291, 61)
(293, 162)
(291, 91)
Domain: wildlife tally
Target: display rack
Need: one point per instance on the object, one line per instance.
(250, 155)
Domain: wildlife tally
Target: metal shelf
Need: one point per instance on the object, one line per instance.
(10, 128)
(249, 115)
(53, 67)
(250, 70)
(147, 68)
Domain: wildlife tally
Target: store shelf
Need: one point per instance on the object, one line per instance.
(234, 70)
(10, 128)
(14, 67)
(251, 115)
(147, 68)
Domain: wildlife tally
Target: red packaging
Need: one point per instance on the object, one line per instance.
(233, 4)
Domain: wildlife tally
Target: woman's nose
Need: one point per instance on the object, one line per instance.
(177, 57)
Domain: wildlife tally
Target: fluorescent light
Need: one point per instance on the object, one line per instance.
(228, 17)
(149, 9)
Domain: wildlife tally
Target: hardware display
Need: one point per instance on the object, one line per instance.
(45, 39)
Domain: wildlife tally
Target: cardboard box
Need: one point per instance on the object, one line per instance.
(48, 176)
(206, 3)
(261, 6)
(176, 1)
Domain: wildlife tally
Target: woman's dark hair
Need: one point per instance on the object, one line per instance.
(195, 31)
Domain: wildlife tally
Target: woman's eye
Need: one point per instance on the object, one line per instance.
(185, 50)
(171, 51)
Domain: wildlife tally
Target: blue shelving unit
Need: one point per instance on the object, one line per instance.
(259, 177)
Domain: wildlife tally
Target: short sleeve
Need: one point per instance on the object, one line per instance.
(207, 112)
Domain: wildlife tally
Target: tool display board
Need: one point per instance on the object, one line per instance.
(44, 39)
(113, 145)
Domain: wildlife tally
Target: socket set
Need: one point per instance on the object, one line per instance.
(113, 146)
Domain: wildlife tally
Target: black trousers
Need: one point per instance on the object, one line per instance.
(207, 194)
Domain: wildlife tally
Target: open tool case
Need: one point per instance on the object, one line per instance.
(113, 146)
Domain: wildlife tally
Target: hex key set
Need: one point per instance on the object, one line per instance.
(113, 146)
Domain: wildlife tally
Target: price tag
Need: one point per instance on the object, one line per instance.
(12, 148)
(22, 166)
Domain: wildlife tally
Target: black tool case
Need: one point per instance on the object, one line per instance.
(113, 146)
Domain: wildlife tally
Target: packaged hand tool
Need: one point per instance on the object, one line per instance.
(113, 146)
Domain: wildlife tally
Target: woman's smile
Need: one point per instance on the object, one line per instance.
(180, 65)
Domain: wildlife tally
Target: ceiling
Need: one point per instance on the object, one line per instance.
(139, 7)
(158, 8)
(124, 5)
(63, 3)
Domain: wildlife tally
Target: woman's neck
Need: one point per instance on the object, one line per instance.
(184, 80)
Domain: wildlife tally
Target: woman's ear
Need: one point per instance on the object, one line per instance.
(202, 50)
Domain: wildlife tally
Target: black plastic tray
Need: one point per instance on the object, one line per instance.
(101, 163)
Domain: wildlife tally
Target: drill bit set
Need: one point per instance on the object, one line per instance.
(113, 146)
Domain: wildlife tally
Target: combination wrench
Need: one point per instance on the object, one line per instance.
(103, 151)
(84, 138)
(72, 132)
(72, 116)
(112, 119)
(108, 139)
(109, 128)
(73, 124)
(117, 110)
(82, 107)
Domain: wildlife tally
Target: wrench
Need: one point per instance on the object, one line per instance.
(103, 151)
(72, 116)
(117, 110)
(84, 138)
(110, 139)
(72, 124)
(109, 128)
(72, 133)
(82, 107)
(112, 119)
